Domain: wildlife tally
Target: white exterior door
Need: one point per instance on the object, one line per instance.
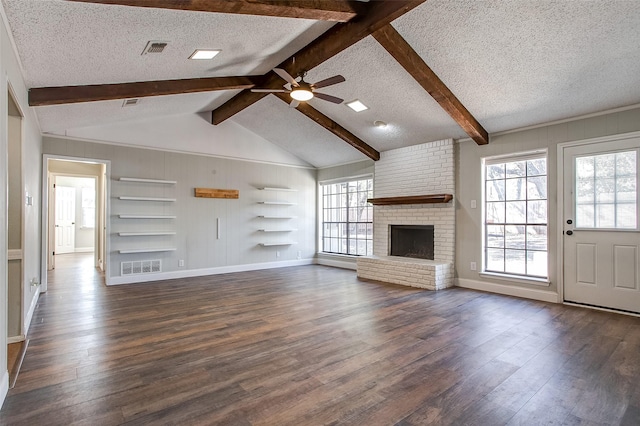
(65, 219)
(601, 228)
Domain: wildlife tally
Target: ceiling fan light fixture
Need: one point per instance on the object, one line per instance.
(301, 94)
(204, 54)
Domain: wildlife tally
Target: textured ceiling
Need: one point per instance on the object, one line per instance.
(511, 63)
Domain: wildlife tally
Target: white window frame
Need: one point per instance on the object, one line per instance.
(321, 248)
(523, 156)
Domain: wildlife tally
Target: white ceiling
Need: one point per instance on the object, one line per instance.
(511, 63)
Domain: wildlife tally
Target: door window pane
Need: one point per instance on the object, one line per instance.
(606, 191)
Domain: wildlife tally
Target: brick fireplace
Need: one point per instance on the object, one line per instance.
(416, 170)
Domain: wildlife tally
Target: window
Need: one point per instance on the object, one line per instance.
(605, 188)
(347, 224)
(88, 207)
(515, 215)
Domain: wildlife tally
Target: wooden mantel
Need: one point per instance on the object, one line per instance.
(412, 199)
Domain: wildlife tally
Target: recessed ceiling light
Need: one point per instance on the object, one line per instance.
(204, 54)
(357, 106)
(380, 124)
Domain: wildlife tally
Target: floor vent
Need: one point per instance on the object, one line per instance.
(141, 267)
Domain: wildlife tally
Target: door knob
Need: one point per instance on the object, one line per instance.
(569, 232)
(569, 221)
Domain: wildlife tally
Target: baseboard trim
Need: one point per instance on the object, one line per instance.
(16, 339)
(32, 309)
(84, 250)
(4, 386)
(134, 279)
(336, 263)
(527, 293)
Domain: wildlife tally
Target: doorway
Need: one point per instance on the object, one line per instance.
(75, 199)
(601, 227)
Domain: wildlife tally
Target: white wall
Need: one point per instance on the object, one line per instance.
(469, 187)
(195, 224)
(10, 74)
(192, 133)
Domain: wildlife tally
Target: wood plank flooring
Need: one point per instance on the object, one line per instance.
(313, 345)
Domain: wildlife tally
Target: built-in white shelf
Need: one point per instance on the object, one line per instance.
(277, 217)
(165, 200)
(161, 181)
(149, 250)
(277, 230)
(277, 203)
(267, 188)
(145, 216)
(283, 243)
(144, 234)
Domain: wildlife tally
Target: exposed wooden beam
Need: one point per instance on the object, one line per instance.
(332, 42)
(319, 10)
(41, 96)
(333, 127)
(393, 42)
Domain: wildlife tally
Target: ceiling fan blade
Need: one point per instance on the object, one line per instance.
(294, 104)
(270, 90)
(329, 81)
(285, 76)
(329, 98)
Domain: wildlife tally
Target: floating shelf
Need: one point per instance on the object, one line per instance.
(277, 230)
(284, 243)
(150, 250)
(167, 200)
(144, 216)
(161, 181)
(277, 217)
(413, 199)
(267, 188)
(144, 234)
(277, 203)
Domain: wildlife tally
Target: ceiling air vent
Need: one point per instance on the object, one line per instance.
(130, 102)
(154, 47)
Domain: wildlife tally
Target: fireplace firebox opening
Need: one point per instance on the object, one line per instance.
(411, 241)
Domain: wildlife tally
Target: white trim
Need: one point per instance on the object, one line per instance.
(16, 339)
(14, 254)
(84, 249)
(178, 151)
(336, 263)
(560, 196)
(207, 271)
(527, 293)
(556, 122)
(32, 308)
(45, 212)
(4, 385)
(522, 279)
(346, 179)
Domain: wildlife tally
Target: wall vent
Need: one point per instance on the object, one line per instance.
(154, 47)
(141, 267)
(130, 102)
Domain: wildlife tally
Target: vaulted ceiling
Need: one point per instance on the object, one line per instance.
(430, 69)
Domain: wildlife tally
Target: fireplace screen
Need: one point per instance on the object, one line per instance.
(411, 241)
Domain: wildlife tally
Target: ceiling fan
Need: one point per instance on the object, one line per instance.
(303, 91)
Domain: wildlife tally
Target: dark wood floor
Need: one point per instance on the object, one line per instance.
(313, 345)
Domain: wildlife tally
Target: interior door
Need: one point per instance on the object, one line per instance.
(601, 228)
(65, 221)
